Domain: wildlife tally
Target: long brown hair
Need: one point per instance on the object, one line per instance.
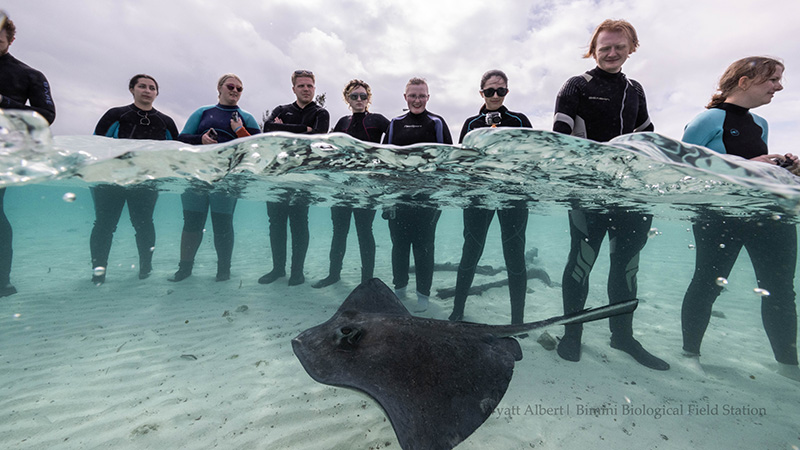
(757, 68)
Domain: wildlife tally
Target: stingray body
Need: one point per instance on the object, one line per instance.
(437, 381)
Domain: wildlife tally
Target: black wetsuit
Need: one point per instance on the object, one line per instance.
(599, 105)
(771, 243)
(127, 122)
(513, 223)
(22, 87)
(367, 127)
(294, 208)
(21, 84)
(415, 225)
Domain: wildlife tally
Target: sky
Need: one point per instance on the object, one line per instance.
(89, 49)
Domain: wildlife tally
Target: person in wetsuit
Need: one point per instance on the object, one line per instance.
(213, 124)
(303, 116)
(728, 126)
(139, 120)
(600, 105)
(513, 220)
(368, 127)
(21, 87)
(415, 226)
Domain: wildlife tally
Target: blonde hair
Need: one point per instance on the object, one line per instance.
(225, 77)
(352, 85)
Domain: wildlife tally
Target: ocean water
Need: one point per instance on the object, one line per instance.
(201, 364)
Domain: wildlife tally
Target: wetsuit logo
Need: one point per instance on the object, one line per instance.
(734, 132)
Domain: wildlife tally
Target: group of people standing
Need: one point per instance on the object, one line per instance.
(598, 105)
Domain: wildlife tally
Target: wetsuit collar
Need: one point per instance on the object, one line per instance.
(298, 105)
(227, 107)
(733, 108)
(501, 110)
(607, 75)
(136, 108)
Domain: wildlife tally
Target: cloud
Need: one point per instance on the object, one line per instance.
(89, 50)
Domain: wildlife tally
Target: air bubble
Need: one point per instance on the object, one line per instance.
(653, 233)
(761, 292)
(99, 271)
(721, 245)
(69, 197)
(722, 281)
(691, 246)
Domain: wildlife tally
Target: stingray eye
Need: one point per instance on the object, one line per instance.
(348, 338)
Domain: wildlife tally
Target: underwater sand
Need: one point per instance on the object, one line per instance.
(158, 365)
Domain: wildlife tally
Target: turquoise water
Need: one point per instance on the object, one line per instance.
(111, 366)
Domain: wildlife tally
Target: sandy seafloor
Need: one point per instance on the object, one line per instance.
(107, 367)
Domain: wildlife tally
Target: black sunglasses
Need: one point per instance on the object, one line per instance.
(489, 92)
(357, 95)
(232, 87)
(303, 73)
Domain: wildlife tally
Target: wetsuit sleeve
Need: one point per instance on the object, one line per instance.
(190, 133)
(105, 127)
(526, 123)
(172, 129)
(270, 125)
(250, 123)
(38, 95)
(341, 125)
(567, 106)
(643, 122)
(761, 122)
(464, 130)
(446, 136)
(322, 123)
(706, 128)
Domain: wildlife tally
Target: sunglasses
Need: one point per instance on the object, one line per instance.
(359, 95)
(232, 87)
(303, 73)
(489, 92)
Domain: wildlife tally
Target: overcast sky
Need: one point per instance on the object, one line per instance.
(89, 50)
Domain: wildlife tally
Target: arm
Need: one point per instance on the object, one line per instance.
(322, 122)
(447, 137)
(105, 127)
(190, 133)
(275, 123)
(464, 130)
(39, 97)
(643, 122)
(172, 130)
(567, 106)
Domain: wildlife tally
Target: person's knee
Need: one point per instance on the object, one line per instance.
(193, 221)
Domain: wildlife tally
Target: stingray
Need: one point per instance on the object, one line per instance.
(436, 380)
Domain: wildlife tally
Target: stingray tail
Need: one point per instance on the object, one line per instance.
(586, 315)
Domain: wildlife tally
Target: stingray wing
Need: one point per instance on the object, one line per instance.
(443, 385)
(373, 296)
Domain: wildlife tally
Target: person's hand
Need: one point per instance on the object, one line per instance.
(236, 124)
(207, 139)
(277, 120)
(795, 167)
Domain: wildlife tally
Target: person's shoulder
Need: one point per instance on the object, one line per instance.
(709, 115)
(435, 116)
(399, 118)
(575, 84)
(523, 119)
(118, 110)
